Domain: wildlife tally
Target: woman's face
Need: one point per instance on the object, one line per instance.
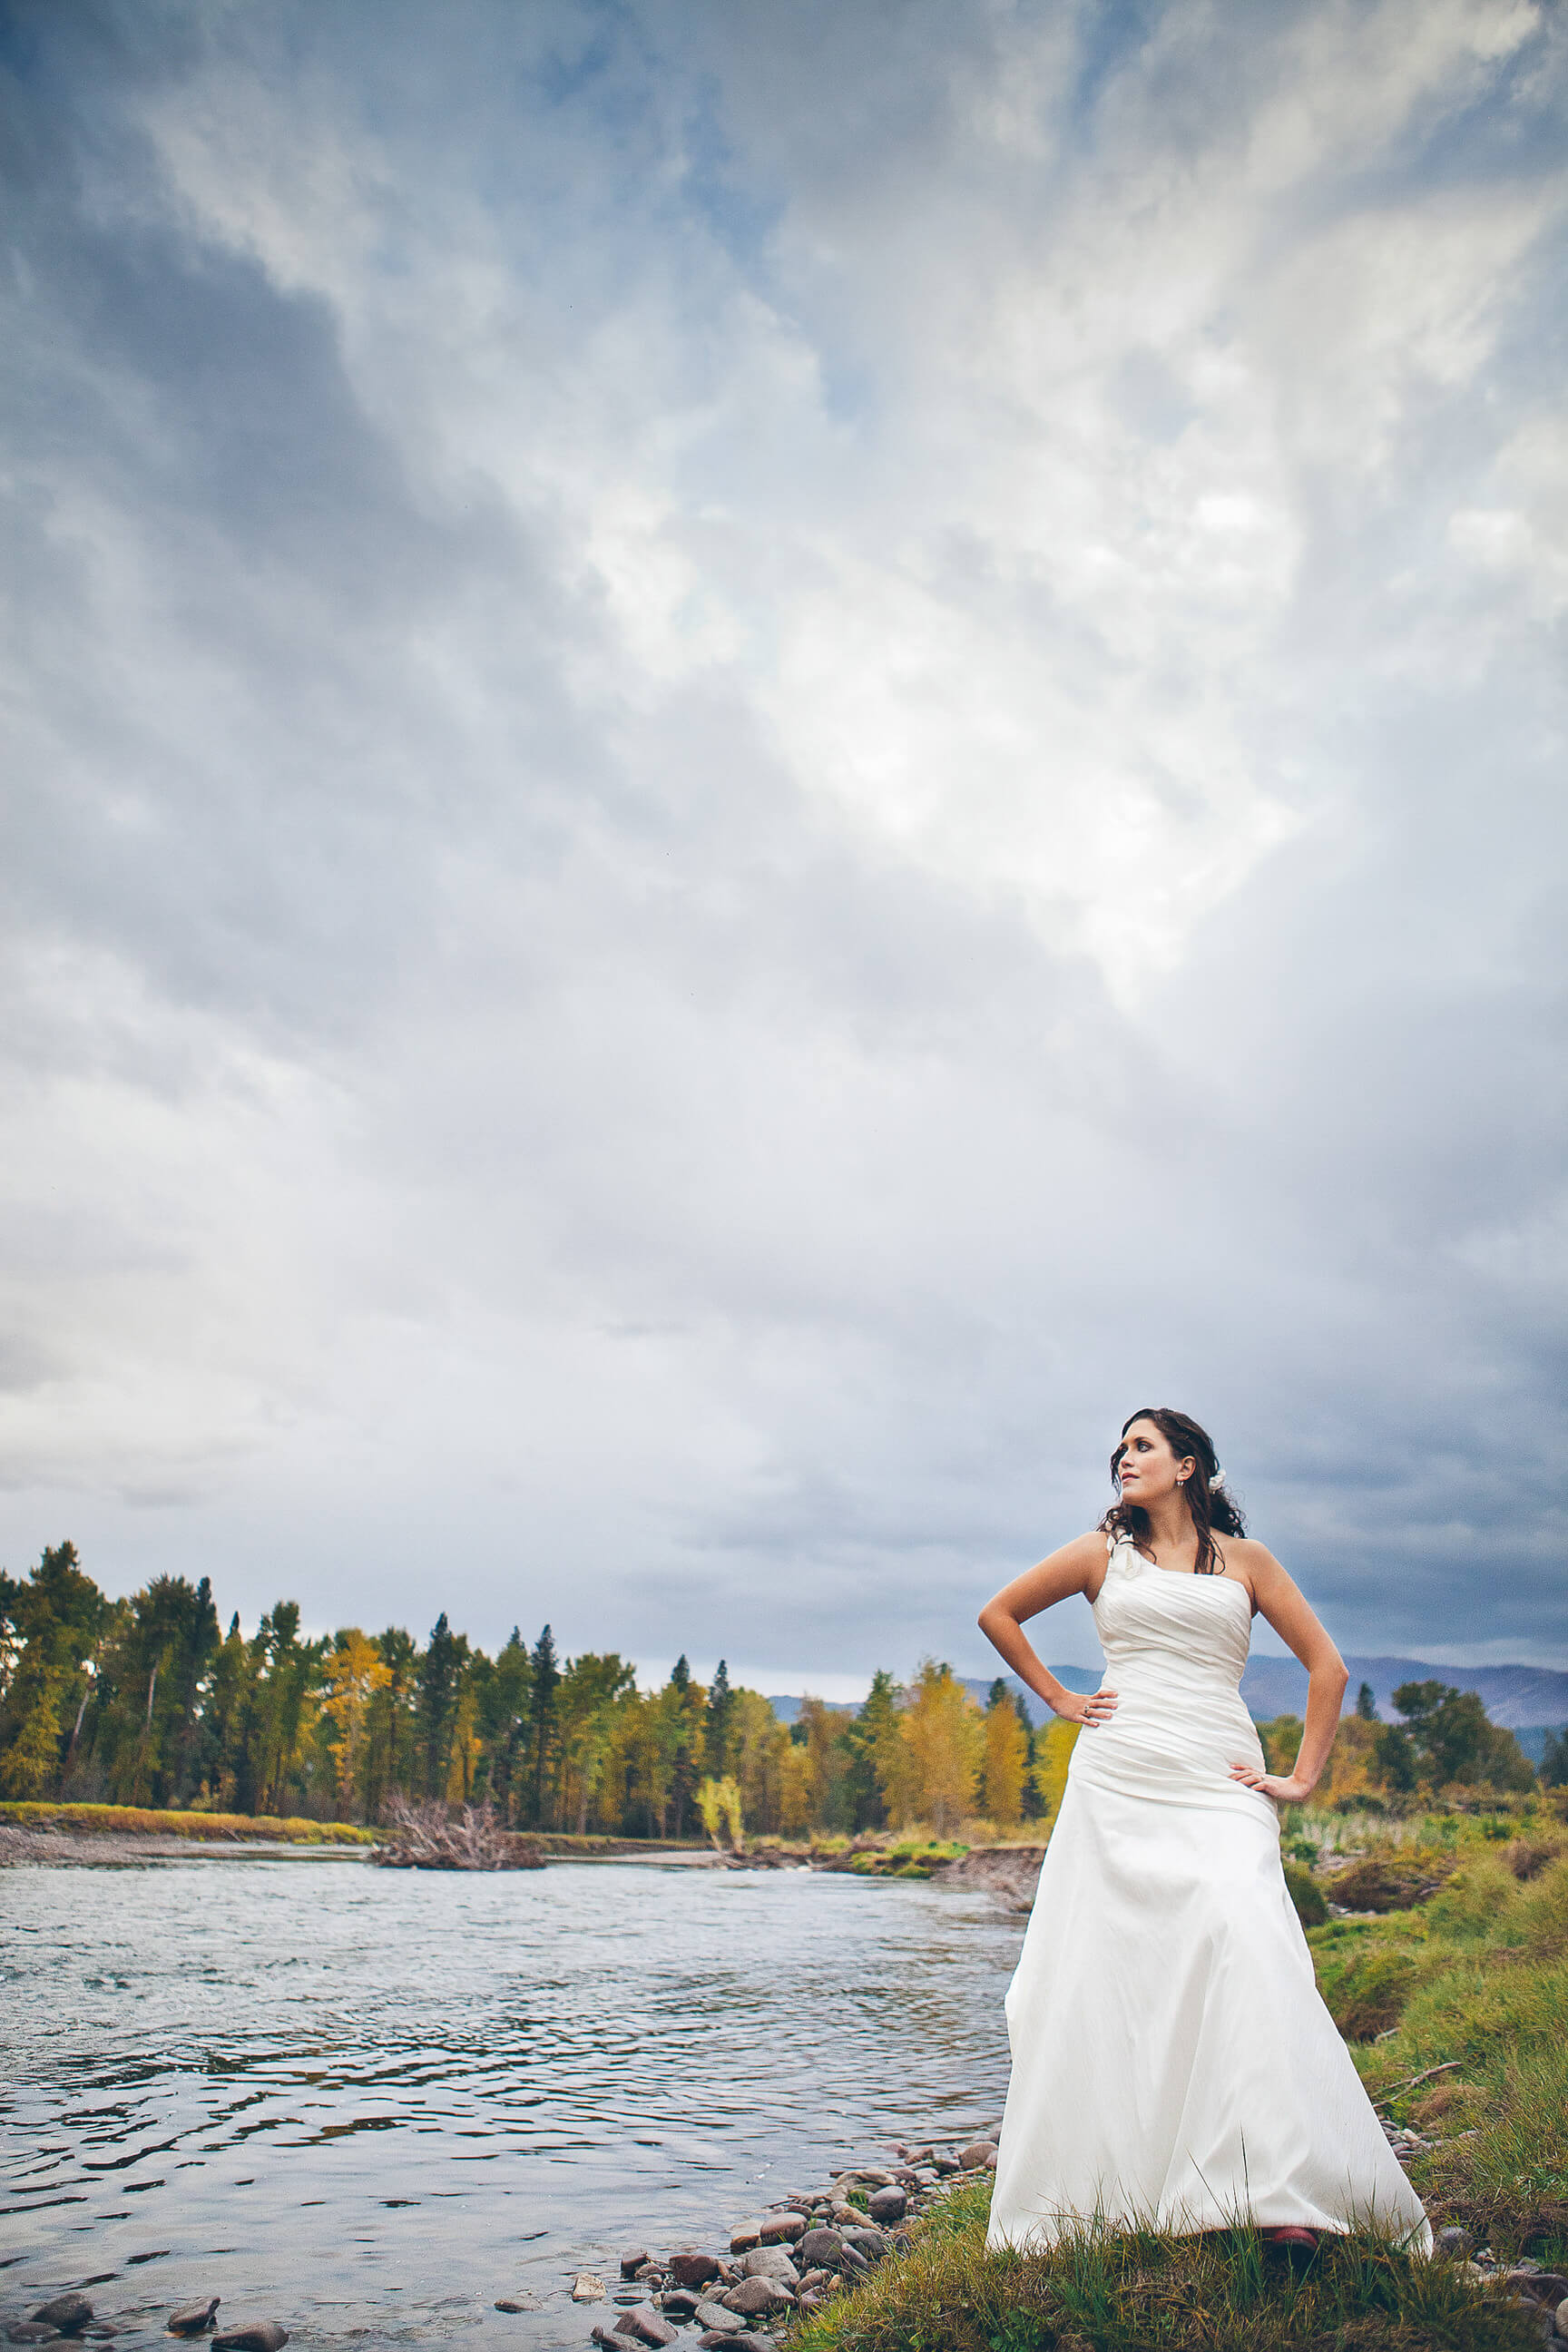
(1148, 1468)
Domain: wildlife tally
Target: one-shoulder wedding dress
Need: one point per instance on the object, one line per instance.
(1172, 2063)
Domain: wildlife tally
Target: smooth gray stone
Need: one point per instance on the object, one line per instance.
(717, 2320)
(871, 2243)
(770, 2261)
(887, 2205)
(755, 2295)
(252, 2336)
(648, 2326)
(692, 2268)
(821, 2249)
(66, 2312)
(193, 2317)
(31, 2331)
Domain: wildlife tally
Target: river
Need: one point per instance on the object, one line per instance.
(370, 2103)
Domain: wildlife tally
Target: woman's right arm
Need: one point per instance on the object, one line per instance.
(1079, 1567)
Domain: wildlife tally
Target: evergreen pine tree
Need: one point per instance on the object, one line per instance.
(546, 1676)
(721, 1706)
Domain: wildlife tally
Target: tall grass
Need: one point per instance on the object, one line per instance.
(1138, 2291)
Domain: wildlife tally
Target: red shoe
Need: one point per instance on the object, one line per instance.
(1283, 2234)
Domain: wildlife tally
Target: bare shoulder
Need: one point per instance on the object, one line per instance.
(1254, 1564)
(1248, 1553)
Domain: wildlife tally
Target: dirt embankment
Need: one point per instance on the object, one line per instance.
(1010, 1872)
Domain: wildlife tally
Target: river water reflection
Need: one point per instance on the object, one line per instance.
(368, 2100)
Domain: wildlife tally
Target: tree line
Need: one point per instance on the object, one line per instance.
(148, 1701)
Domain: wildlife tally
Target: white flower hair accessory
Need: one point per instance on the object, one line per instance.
(1216, 1476)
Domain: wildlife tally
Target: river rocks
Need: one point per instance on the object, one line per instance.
(1562, 2318)
(1543, 2286)
(633, 2261)
(515, 2303)
(755, 2295)
(194, 2318)
(1453, 2243)
(589, 2288)
(744, 2236)
(31, 2331)
(821, 2246)
(780, 2229)
(67, 2313)
(689, 2268)
(717, 2321)
(870, 2244)
(770, 2261)
(252, 2336)
(889, 2204)
(613, 2340)
(646, 2326)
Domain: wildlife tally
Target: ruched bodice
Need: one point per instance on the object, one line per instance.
(1172, 2064)
(1175, 1649)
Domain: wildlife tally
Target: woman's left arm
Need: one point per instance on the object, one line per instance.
(1287, 1611)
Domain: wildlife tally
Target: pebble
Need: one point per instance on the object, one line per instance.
(717, 2321)
(31, 2331)
(780, 2229)
(633, 2262)
(646, 2326)
(589, 2288)
(509, 2303)
(68, 2312)
(770, 2261)
(757, 2295)
(889, 2204)
(689, 2268)
(194, 2317)
(614, 2341)
(252, 2336)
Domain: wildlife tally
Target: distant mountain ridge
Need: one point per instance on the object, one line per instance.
(1518, 1698)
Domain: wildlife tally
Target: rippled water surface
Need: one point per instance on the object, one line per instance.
(372, 2102)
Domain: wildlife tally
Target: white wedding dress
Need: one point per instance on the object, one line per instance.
(1172, 2063)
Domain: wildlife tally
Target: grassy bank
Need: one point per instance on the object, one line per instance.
(1226, 2293)
(1453, 1995)
(143, 1821)
(146, 1820)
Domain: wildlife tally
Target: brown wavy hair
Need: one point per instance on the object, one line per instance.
(1208, 1501)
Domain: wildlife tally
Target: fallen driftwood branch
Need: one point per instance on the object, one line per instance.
(1399, 2089)
(423, 1838)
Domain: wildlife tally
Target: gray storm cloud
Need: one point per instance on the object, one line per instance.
(759, 758)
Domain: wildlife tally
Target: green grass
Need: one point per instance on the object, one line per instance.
(1478, 1984)
(1142, 2292)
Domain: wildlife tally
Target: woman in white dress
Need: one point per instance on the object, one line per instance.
(1172, 2063)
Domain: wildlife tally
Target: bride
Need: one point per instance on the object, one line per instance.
(1172, 2064)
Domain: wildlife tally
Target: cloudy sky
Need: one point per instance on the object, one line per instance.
(759, 756)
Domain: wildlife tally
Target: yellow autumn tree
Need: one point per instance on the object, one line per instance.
(1004, 1766)
(1054, 1744)
(355, 1672)
(930, 1764)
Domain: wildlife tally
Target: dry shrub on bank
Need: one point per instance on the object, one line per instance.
(1222, 2293)
(421, 1837)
